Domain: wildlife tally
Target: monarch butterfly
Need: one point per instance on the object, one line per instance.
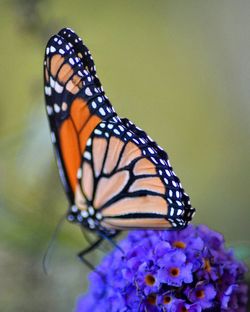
(115, 176)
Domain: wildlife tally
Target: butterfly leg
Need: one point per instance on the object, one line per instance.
(84, 252)
(90, 242)
(111, 241)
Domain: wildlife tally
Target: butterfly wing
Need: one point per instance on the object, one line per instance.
(176, 193)
(125, 182)
(75, 103)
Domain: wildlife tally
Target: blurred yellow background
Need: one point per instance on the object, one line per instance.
(178, 69)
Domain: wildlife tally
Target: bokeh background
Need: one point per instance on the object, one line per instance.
(178, 69)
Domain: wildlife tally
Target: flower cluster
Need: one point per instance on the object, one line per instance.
(177, 271)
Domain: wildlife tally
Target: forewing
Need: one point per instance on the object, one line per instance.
(75, 103)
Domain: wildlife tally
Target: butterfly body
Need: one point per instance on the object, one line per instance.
(115, 176)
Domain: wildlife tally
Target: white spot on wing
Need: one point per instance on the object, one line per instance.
(84, 213)
(154, 160)
(74, 208)
(151, 151)
(121, 128)
(179, 212)
(47, 90)
(87, 155)
(97, 131)
(166, 180)
(98, 216)
(101, 111)
(56, 108)
(52, 82)
(174, 183)
(89, 142)
(53, 137)
(88, 92)
(79, 173)
(91, 211)
(58, 88)
(72, 62)
(49, 110)
(52, 49)
(168, 173)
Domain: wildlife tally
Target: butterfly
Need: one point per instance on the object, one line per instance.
(114, 175)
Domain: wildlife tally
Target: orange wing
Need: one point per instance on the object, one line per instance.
(75, 102)
(73, 135)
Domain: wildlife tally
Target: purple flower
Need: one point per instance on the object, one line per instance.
(203, 294)
(172, 271)
(181, 306)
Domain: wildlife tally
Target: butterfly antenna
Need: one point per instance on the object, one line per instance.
(49, 248)
(85, 235)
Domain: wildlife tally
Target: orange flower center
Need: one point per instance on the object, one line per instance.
(200, 294)
(207, 265)
(167, 299)
(149, 280)
(174, 272)
(179, 244)
(151, 299)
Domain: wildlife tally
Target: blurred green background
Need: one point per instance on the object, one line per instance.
(179, 69)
